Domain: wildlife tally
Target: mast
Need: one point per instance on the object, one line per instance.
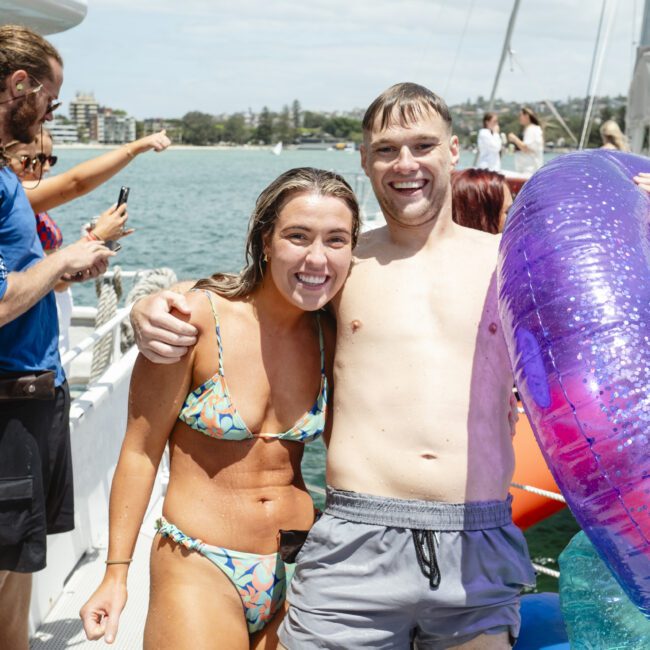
(637, 118)
(597, 65)
(502, 60)
(504, 52)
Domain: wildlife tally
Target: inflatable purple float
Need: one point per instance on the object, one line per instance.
(574, 299)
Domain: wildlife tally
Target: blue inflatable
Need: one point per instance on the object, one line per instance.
(597, 612)
(542, 626)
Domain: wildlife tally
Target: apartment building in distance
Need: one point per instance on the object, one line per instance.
(101, 124)
(63, 131)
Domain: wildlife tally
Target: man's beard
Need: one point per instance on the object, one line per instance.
(24, 120)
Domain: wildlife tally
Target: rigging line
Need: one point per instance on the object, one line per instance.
(460, 44)
(506, 50)
(436, 22)
(599, 67)
(560, 119)
(603, 8)
(633, 41)
(548, 102)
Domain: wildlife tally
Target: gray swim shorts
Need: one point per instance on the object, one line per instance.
(394, 574)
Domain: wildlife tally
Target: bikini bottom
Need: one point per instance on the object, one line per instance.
(260, 580)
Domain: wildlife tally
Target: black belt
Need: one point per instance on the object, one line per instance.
(32, 385)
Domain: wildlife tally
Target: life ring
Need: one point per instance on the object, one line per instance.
(529, 508)
(574, 300)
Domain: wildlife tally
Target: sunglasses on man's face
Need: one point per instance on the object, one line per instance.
(42, 158)
(52, 106)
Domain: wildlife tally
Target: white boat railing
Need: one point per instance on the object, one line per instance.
(112, 325)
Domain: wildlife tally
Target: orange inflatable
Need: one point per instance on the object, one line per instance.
(531, 469)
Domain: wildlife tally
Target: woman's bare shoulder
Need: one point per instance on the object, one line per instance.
(201, 304)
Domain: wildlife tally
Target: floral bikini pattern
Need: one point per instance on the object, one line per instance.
(260, 580)
(208, 409)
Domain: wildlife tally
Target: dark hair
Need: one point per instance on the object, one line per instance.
(487, 117)
(23, 49)
(269, 204)
(531, 114)
(477, 198)
(410, 100)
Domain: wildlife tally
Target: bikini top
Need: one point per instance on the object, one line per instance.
(209, 409)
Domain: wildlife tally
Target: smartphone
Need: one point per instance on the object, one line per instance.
(122, 198)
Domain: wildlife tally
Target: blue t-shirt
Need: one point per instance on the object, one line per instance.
(3, 276)
(31, 341)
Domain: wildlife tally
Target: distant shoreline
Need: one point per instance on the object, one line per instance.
(177, 147)
(237, 147)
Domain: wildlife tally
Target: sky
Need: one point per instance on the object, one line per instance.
(163, 58)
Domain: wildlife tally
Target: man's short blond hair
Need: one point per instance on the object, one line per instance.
(407, 102)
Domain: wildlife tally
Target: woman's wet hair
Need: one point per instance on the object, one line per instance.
(477, 198)
(269, 204)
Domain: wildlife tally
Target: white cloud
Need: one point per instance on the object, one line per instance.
(167, 57)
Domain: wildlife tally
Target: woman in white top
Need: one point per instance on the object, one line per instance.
(489, 144)
(530, 155)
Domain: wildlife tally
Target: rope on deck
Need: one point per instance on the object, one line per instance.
(544, 493)
(109, 292)
(146, 282)
(549, 572)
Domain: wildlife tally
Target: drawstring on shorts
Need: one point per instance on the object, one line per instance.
(425, 550)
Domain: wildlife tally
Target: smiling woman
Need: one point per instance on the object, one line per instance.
(235, 465)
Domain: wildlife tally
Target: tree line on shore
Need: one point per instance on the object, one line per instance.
(292, 124)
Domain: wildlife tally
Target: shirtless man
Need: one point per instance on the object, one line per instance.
(416, 544)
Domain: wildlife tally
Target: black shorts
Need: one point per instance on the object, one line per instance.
(36, 492)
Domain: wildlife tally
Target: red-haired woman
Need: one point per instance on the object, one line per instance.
(480, 199)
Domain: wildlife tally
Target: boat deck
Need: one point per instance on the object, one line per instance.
(62, 627)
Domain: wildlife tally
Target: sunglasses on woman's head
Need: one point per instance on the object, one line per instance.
(42, 158)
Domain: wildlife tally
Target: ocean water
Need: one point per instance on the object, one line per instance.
(190, 209)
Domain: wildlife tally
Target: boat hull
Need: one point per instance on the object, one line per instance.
(43, 16)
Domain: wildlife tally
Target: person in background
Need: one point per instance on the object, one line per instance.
(612, 136)
(36, 491)
(236, 412)
(530, 148)
(480, 199)
(30, 162)
(489, 143)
